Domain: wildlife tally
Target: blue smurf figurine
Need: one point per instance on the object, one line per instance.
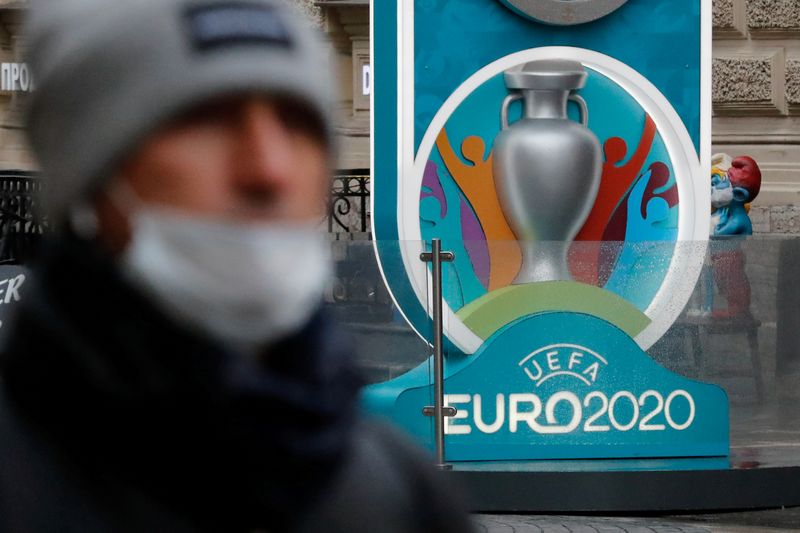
(734, 184)
(731, 190)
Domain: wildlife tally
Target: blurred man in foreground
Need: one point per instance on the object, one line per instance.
(171, 369)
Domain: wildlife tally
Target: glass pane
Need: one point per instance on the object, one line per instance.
(726, 312)
(387, 345)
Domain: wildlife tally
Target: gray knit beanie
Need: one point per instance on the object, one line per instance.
(109, 72)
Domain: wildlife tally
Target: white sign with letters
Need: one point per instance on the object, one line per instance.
(16, 77)
(620, 410)
(366, 80)
(12, 278)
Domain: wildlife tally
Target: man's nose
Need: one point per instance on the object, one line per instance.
(264, 156)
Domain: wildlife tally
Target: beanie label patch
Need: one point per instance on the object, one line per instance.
(234, 23)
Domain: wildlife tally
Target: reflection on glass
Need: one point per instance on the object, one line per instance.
(740, 328)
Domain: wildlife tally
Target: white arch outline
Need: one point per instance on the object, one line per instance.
(687, 262)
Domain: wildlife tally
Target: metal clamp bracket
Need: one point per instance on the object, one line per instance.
(430, 410)
(444, 257)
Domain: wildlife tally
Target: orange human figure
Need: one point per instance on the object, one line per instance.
(617, 179)
(476, 181)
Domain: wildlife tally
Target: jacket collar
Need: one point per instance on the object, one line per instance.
(126, 392)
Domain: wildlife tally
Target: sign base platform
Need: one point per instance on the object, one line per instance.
(562, 386)
(741, 482)
(760, 473)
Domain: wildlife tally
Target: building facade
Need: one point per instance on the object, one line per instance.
(15, 83)
(346, 24)
(756, 92)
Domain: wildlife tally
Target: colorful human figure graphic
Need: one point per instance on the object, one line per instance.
(461, 284)
(615, 183)
(660, 186)
(475, 178)
(432, 186)
(649, 244)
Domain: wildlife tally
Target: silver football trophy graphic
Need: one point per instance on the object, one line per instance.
(547, 167)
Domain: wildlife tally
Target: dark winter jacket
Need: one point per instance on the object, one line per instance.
(114, 418)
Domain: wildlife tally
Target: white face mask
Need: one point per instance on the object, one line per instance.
(248, 284)
(721, 197)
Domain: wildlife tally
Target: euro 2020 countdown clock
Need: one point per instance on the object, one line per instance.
(558, 147)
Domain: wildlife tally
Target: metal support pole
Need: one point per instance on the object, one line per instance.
(438, 410)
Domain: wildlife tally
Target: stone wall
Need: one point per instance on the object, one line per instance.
(346, 23)
(14, 151)
(775, 219)
(756, 96)
(310, 10)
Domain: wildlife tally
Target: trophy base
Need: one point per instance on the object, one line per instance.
(544, 261)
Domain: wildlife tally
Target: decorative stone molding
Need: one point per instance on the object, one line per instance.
(749, 84)
(361, 61)
(774, 19)
(347, 27)
(309, 10)
(793, 84)
(730, 19)
(336, 34)
(760, 131)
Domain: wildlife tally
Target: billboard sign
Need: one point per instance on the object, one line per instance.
(560, 149)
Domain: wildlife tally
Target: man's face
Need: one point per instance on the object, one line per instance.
(246, 158)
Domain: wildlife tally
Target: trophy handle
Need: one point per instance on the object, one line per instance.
(510, 99)
(583, 108)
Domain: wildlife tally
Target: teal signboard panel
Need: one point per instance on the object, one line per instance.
(524, 134)
(569, 386)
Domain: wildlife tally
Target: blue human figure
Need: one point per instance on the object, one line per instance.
(461, 284)
(648, 248)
